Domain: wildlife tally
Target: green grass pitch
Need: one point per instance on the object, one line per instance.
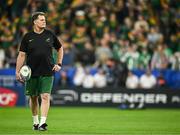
(93, 121)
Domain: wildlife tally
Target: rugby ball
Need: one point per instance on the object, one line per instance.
(25, 72)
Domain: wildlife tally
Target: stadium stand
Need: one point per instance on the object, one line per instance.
(114, 35)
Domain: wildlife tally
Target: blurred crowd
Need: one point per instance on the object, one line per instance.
(114, 36)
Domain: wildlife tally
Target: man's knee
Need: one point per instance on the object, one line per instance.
(45, 97)
(34, 99)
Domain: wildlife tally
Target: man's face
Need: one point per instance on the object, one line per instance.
(40, 21)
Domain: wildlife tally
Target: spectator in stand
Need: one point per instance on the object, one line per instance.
(147, 80)
(99, 27)
(103, 52)
(120, 49)
(161, 82)
(2, 58)
(131, 57)
(11, 56)
(6, 38)
(154, 37)
(113, 23)
(88, 81)
(141, 25)
(144, 58)
(142, 41)
(116, 73)
(132, 81)
(88, 55)
(159, 59)
(109, 69)
(100, 79)
(174, 43)
(64, 79)
(80, 19)
(175, 61)
(79, 75)
(126, 28)
(69, 54)
(79, 38)
(116, 48)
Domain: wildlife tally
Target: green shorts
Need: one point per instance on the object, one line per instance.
(38, 85)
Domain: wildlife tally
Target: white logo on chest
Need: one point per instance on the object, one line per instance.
(30, 40)
(48, 40)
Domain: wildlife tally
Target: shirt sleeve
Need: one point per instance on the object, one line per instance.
(23, 46)
(57, 43)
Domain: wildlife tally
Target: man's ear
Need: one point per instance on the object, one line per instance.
(34, 22)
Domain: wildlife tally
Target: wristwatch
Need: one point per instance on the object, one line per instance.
(59, 64)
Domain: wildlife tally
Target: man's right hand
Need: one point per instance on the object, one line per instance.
(19, 78)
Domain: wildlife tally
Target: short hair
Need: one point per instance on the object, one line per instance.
(35, 16)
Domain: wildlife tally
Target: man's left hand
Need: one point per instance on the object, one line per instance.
(56, 68)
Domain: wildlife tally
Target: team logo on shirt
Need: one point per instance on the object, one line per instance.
(48, 40)
(30, 40)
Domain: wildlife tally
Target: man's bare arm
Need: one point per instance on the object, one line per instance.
(19, 63)
(60, 55)
(57, 67)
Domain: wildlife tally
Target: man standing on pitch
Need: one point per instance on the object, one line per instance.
(36, 49)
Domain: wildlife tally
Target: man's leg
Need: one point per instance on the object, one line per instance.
(34, 105)
(45, 103)
(46, 87)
